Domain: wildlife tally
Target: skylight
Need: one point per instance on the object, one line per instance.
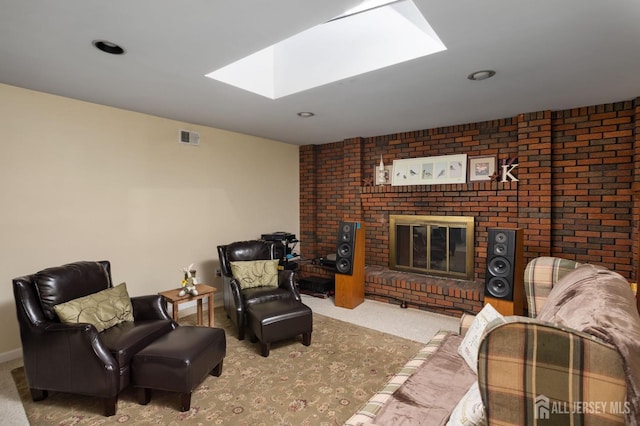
(384, 34)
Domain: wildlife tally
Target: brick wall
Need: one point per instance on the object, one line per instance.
(593, 168)
(574, 196)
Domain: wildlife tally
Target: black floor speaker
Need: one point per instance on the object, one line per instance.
(504, 280)
(349, 276)
(346, 247)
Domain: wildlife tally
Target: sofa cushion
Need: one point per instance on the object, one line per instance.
(431, 393)
(265, 294)
(103, 309)
(126, 339)
(468, 348)
(367, 413)
(255, 273)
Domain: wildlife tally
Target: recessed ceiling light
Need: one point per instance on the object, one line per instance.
(481, 75)
(306, 114)
(108, 47)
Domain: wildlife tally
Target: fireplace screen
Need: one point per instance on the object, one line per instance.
(439, 245)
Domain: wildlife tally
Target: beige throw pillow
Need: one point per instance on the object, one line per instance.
(469, 411)
(468, 349)
(103, 309)
(255, 273)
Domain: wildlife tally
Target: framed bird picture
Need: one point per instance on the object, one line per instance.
(430, 170)
(482, 167)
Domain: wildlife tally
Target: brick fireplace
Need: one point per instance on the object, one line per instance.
(574, 196)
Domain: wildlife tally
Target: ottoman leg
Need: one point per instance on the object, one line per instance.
(264, 349)
(38, 394)
(185, 401)
(217, 370)
(306, 338)
(144, 396)
(110, 405)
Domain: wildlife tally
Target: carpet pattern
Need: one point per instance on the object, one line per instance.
(322, 384)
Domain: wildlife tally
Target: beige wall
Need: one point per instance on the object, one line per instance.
(80, 181)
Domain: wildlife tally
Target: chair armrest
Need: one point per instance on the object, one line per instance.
(80, 337)
(568, 367)
(150, 307)
(540, 275)
(233, 287)
(54, 353)
(286, 279)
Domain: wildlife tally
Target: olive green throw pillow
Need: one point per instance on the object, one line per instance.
(103, 309)
(255, 273)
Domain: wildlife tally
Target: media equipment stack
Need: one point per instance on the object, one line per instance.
(285, 243)
(349, 277)
(317, 286)
(504, 283)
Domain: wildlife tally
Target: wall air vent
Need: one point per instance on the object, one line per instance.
(189, 138)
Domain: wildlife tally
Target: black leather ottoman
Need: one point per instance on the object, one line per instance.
(278, 320)
(178, 362)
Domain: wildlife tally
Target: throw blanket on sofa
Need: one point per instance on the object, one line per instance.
(432, 391)
(599, 302)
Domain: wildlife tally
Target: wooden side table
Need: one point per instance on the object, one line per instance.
(171, 296)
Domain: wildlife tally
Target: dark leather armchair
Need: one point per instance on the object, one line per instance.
(76, 358)
(237, 299)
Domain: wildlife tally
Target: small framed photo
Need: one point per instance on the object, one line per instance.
(382, 177)
(482, 167)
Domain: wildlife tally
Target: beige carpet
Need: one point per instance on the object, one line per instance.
(323, 384)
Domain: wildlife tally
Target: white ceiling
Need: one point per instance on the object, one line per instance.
(548, 54)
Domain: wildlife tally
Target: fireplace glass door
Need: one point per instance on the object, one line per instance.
(434, 247)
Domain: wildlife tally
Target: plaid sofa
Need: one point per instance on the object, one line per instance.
(531, 372)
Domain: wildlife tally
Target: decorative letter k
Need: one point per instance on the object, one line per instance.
(506, 171)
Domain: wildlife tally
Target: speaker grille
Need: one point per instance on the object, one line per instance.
(498, 287)
(343, 265)
(500, 237)
(499, 266)
(344, 250)
(500, 249)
